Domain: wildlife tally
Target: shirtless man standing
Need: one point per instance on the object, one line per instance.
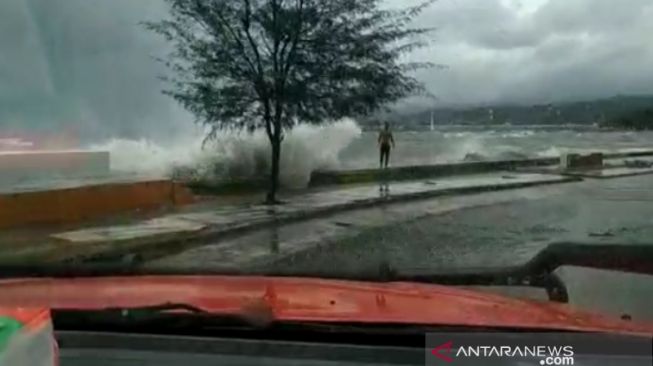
(385, 142)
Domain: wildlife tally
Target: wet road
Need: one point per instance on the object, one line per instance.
(508, 233)
(501, 233)
(347, 233)
(486, 230)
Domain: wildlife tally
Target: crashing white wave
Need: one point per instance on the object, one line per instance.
(236, 155)
(450, 135)
(342, 145)
(146, 157)
(518, 134)
(552, 151)
(478, 148)
(556, 151)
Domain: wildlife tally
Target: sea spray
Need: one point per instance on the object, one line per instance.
(235, 155)
(308, 148)
(342, 145)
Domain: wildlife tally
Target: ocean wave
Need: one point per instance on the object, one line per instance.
(448, 135)
(518, 134)
(504, 155)
(236, 155)
(552, 151)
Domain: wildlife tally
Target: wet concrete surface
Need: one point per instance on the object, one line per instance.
(484, 230)
(509, 233)
(342, 233)
(221, 220)
(57, 182)
(504, 233)
(473, 230)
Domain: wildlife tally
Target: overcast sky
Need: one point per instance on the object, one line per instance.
(89, 62)
(539, 50)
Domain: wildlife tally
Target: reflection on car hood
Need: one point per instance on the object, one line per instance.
(306, 299)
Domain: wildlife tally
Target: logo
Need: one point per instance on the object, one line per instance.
(547, 355)
(442, 351)
(529, 349)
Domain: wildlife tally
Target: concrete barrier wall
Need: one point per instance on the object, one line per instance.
(423, 171)
(47, 163)
(320, 178)
(631, 154)
(578, 161)
(71, 205)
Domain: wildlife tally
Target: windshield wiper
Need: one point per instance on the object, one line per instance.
(167, 315)
(190, 320)
(539, 271)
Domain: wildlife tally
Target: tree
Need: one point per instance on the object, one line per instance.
(271, 64)
(639, 120)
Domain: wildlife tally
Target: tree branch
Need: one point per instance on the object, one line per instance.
(246, 21)
(256, 73)
(288, 63)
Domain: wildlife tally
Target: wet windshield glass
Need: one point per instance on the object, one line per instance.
(346, 139)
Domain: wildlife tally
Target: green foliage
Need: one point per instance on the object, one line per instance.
(638, 120)
(270, 64)
(604, 112)
(246, 63)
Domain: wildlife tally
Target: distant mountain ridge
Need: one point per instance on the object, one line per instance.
(599, 112)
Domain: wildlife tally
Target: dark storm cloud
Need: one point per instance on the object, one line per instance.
(23, 69)
(83, 63)
(538, 51)
(88, 63)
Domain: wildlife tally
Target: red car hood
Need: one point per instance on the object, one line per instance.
(303, 299)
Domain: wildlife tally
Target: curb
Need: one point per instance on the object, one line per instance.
(325, 178)
(150, 246)
(589, 175)
(604, 177)
(401, 173)
(631, 154)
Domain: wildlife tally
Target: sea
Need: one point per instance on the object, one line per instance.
(344, 145)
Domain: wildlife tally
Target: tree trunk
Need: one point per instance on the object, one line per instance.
(275, 167)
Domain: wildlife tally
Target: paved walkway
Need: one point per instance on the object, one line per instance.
(498, 234)
(260, 249)
(613, 168)
(210, 223)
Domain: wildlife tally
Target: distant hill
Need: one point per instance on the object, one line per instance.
(599, 112)
(638, 120)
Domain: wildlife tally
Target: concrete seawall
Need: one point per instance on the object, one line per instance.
(336, 177)
(45, 164)
(86, 201)
(629, 154)
(321, 178)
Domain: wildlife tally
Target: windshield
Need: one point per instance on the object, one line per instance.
(373, 140)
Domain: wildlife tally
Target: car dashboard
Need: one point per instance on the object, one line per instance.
(115, 349)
